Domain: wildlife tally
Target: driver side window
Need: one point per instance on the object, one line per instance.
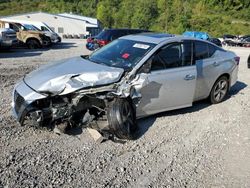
(173, 56)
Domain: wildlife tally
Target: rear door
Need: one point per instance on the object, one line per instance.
(208, 62)
(172, 80)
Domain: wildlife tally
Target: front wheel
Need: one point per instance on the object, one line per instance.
(122, 118)
(219, 90)
(33, 44)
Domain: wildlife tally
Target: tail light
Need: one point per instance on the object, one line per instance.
(89, 39)
(237, 59)
(103, 42)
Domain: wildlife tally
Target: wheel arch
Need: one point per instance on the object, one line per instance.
(32, 38)
(224, 74)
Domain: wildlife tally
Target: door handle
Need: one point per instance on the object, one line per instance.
(189, 77)
(216, 64)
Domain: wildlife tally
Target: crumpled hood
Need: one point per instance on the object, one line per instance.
(71, 74)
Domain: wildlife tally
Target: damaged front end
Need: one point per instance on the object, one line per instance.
(86, 107)
(85, 91)
(93, 107)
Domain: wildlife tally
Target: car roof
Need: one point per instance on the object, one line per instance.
(157, 38)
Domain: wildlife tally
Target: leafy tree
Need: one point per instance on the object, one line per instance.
(173, 16)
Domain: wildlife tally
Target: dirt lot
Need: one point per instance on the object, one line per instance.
(202, 146)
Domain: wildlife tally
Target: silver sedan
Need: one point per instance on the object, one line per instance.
(132, 77)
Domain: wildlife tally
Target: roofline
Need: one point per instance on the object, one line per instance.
(77, 15)
(164, 39)
(43, 13)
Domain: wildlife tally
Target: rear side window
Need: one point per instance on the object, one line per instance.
(211, 49)
(201, 50)
(118, 33)
(105, 35)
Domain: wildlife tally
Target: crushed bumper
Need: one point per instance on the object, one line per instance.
(22, 98)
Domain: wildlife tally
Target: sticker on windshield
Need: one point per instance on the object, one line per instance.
(142, 46)
(125, 56)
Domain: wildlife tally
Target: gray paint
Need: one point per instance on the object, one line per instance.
(152, 92)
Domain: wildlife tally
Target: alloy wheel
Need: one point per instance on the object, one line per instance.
(220, 90)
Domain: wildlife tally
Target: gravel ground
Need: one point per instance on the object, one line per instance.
(202, 146)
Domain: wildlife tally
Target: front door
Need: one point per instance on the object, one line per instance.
(171, 82)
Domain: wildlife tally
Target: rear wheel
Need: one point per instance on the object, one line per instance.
(122, 119)
(33, 44)
(219, 90)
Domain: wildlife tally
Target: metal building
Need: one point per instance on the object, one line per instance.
(93, 25)
(63, 24)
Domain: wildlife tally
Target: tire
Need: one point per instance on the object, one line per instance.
(219, 90)
(49, 42)
(122, 119)
(33, 44)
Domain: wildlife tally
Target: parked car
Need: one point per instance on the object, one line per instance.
(7, 38)
(132, 77)
(245, 42)
(228, 36)
(54, 37)
(244, 37)
(108, 35)
(38, 26)
(31, 38)
(215, 41)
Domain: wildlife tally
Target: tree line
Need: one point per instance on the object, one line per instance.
(216, 17)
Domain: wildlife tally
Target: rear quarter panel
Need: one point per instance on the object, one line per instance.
(207, 73)
(230, 66)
